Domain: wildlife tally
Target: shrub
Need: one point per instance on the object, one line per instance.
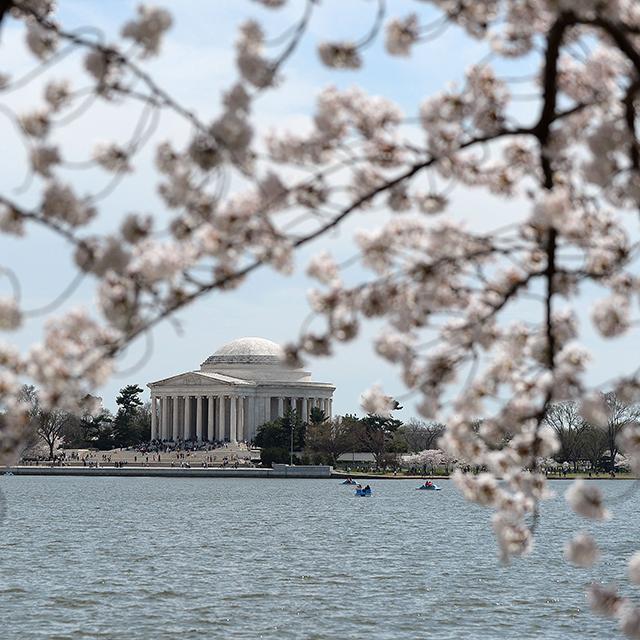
(270, 455)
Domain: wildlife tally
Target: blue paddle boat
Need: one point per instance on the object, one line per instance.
(428, 486)
(349, 481)
(366, 491)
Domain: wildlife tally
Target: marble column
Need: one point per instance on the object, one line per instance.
(158, 407)
(175, 401)
(330, 408)
(165, 417)
(305, 410)
(280, 407)
(154, 419)
(158, 413)
(240, 432)
(210, 433)
(250, 421)
(233, 419)
(186, 430)
(221, 419)
(267, 409)
(199, 418)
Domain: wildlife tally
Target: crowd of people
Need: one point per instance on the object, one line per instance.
(185, 454)
(168, 446)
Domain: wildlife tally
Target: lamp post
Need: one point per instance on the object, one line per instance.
(291, 449)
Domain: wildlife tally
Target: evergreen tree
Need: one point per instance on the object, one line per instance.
(125, 432)
(376, 435)
(317, 416)
(274, 437)
(98, 430)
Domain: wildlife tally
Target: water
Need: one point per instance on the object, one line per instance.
(155, 558)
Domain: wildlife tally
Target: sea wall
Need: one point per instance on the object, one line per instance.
(302, 471)
(280, 471)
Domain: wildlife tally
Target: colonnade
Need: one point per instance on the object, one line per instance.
(223, 417)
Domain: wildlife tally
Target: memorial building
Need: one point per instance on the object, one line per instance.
(240, 387)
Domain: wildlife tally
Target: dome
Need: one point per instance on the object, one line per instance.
(247, 351)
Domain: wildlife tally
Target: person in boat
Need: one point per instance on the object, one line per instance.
(428, 483)
(367, 489)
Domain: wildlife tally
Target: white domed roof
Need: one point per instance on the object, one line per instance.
(247, 351)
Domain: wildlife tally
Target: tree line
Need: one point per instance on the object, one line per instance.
(93, 429)
(592, 439)
(323, 440)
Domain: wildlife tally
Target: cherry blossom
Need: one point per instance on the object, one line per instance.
(340, 55)
(629, 617)
(402, 34)
(604, 599)
(148, 29)
(375, 401)
(582, 550)
(586, 500)
(112, 157)
(10, 316)
(634, 568)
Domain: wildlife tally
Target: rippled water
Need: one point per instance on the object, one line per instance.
(158, 558)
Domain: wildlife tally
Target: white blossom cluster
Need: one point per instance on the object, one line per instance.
(582, 550)
(606, 601)
(448, 294)
(148, 29)
(428, 457)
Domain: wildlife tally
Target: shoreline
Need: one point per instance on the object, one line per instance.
(299, 472)
(279, 472)
(169, 472)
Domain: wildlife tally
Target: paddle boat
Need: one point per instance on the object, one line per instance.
(428, 486)
(363, 491)
(349, 481)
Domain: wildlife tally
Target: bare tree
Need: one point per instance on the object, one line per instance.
(620, 415)
(593, 445)
(29, 397)
(565, 419)
(331, 438)
(421, 435)
(50, 426)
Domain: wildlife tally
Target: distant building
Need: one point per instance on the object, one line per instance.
(240, 387)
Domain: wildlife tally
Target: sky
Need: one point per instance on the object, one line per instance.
(196, 66)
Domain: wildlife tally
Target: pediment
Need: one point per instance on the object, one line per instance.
(192, 379)
(198, 379)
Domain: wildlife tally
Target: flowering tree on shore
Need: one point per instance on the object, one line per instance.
(447, 294)
(429, 459)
